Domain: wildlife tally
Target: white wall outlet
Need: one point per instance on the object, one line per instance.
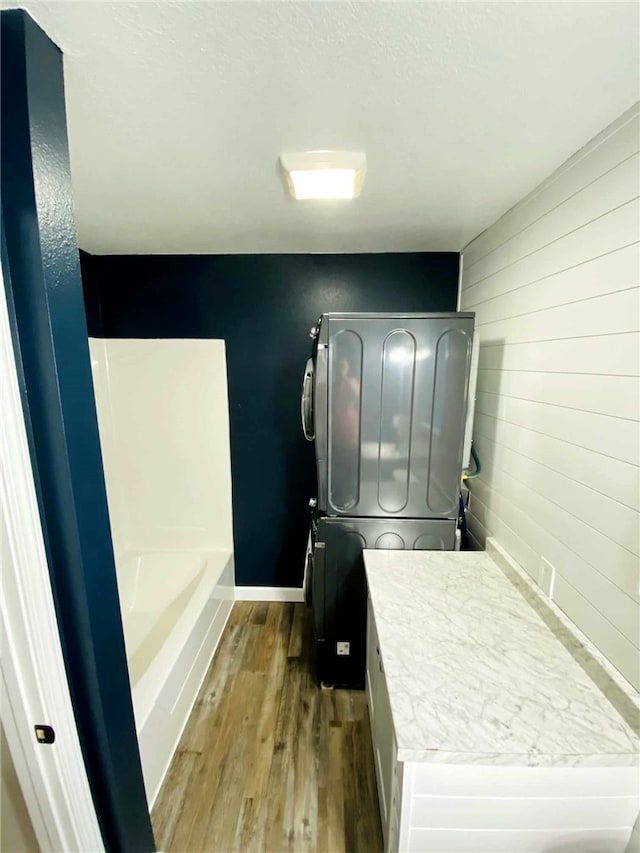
(546, 577)
(343, 648)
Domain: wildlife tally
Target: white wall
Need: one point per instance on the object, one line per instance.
(634, 841)
(163, 415)
(555, 285)
(16, 829)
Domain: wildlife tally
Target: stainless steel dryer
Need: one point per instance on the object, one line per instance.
(384, 399)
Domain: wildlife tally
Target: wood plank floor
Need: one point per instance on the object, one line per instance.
(268, 761)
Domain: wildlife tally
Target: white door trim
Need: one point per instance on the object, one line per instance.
(34, 683)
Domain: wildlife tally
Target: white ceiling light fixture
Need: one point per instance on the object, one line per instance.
(324, 174)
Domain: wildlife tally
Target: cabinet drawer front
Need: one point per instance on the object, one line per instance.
(523, 812)
(384, 745)
(529, 841)
(500, 781)
(373, 672)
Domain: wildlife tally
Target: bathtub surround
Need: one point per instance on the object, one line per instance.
(262, 306)
(555, 285)
(50, 342)
(171, 642)
(164, 429)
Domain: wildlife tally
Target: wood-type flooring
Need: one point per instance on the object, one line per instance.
(269, 761)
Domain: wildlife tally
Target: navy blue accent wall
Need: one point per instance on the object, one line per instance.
(263, 307)
(40, 259)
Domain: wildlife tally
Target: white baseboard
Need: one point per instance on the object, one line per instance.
(269, 593)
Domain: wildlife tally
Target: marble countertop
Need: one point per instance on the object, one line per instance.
(477, 674)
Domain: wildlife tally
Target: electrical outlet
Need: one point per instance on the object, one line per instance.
(546, 577)
(343, 648)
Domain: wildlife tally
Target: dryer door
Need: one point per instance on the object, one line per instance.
(306, 402)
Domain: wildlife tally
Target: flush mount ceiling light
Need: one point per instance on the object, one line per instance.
(324, 174)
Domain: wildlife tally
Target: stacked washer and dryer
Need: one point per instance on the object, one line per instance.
(385, 400)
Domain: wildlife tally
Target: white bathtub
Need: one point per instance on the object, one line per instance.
(174, 608)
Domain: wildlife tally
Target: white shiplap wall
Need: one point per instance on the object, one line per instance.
(555, 285)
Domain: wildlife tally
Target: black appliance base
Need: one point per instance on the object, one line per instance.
(340, 671)
(339, 588)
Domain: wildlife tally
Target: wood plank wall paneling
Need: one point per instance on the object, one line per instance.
(555, 285)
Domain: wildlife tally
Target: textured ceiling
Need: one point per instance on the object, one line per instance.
(178, 111)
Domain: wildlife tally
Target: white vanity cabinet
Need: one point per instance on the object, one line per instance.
(383, 737)
(488, 734)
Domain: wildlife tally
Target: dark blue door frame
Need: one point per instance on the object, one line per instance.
(50, 341)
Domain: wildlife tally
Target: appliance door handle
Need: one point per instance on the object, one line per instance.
(306, 402)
